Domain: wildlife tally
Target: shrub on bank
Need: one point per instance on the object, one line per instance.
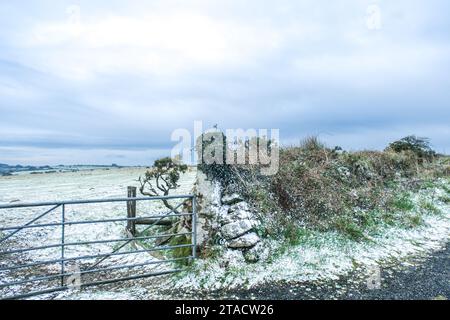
(349, 192)
(419, 146)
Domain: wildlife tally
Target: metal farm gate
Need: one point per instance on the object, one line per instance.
(38, 267)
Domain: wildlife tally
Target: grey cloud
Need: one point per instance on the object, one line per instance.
(328, 75)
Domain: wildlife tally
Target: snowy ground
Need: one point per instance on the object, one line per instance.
(329, 256)
(72, 186)
(323, 257)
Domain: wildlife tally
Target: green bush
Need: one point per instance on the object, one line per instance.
(419, 146)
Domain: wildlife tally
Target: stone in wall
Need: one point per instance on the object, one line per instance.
(232, 199)
(208, 206)
(237, 229)
(260, 252)
(226, 217)
(241, 206)
(246, 241)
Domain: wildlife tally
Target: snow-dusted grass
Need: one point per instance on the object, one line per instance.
(329, 255)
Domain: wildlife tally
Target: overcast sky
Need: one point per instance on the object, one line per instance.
(108, 81)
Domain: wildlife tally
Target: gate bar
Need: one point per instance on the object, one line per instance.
(50, 277)
(91, 201)
(28, 223)
(68, 223)
(68, 244)
(40, 263)
(89, 284)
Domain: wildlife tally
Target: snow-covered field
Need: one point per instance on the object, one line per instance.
(72, 186)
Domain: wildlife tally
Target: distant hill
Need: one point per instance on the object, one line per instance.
(6, 169)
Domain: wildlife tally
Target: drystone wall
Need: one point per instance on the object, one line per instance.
(226, 220)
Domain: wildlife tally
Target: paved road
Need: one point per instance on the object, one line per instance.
(427, 279)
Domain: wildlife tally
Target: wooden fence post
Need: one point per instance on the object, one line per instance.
(131, 211)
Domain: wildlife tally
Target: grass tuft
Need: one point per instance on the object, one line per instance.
(429, 207)
(444, 199)
(403, 203)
